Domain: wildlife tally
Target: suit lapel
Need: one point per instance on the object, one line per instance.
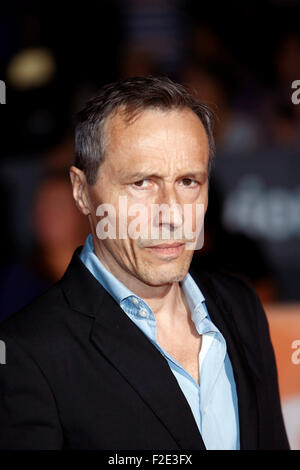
(127, 348)
(244, 366)
(143, 366)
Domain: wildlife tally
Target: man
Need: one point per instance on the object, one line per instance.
(130, 350)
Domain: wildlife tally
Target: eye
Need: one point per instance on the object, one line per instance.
(143, 184)
(188, 182)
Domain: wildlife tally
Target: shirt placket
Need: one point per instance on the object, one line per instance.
(210, 370)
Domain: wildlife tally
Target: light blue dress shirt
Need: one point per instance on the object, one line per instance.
(213, 403)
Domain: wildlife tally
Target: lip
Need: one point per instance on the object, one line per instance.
(167, 249)
(167, 245)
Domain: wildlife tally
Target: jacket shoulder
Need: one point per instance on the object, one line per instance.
(34, 322)
(228, 286)
(236, 298)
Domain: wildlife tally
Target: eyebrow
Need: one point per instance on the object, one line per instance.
(144, 175)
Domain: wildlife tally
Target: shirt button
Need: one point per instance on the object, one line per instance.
(143, 312)
(135, 301)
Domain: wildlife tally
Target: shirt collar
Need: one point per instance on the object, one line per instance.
(113, 286)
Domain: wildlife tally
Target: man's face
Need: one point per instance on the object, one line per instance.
(159, 158)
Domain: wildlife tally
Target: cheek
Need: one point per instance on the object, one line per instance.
(104, 192)
(205, 202)
(189, 196)
(123, 249)
(203, 196)
(194, 215)
(119, 250)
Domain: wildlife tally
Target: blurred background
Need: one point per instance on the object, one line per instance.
(240, 58)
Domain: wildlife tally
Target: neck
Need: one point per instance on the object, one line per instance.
(167, 300)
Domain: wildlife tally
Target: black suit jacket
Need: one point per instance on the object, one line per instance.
(79, 374)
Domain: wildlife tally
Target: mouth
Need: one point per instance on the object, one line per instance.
(167, 249)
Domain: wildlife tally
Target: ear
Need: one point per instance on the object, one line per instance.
(80, 192)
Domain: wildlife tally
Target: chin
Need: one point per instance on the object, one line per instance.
(158, 276)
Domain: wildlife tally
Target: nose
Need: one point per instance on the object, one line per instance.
(168, 212)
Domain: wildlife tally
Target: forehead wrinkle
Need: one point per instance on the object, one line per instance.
(165, 147)
(166, 152)
(158, 165)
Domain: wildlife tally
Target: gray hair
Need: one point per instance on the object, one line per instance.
(133, 95)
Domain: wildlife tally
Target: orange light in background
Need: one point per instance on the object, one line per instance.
(284, 321)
